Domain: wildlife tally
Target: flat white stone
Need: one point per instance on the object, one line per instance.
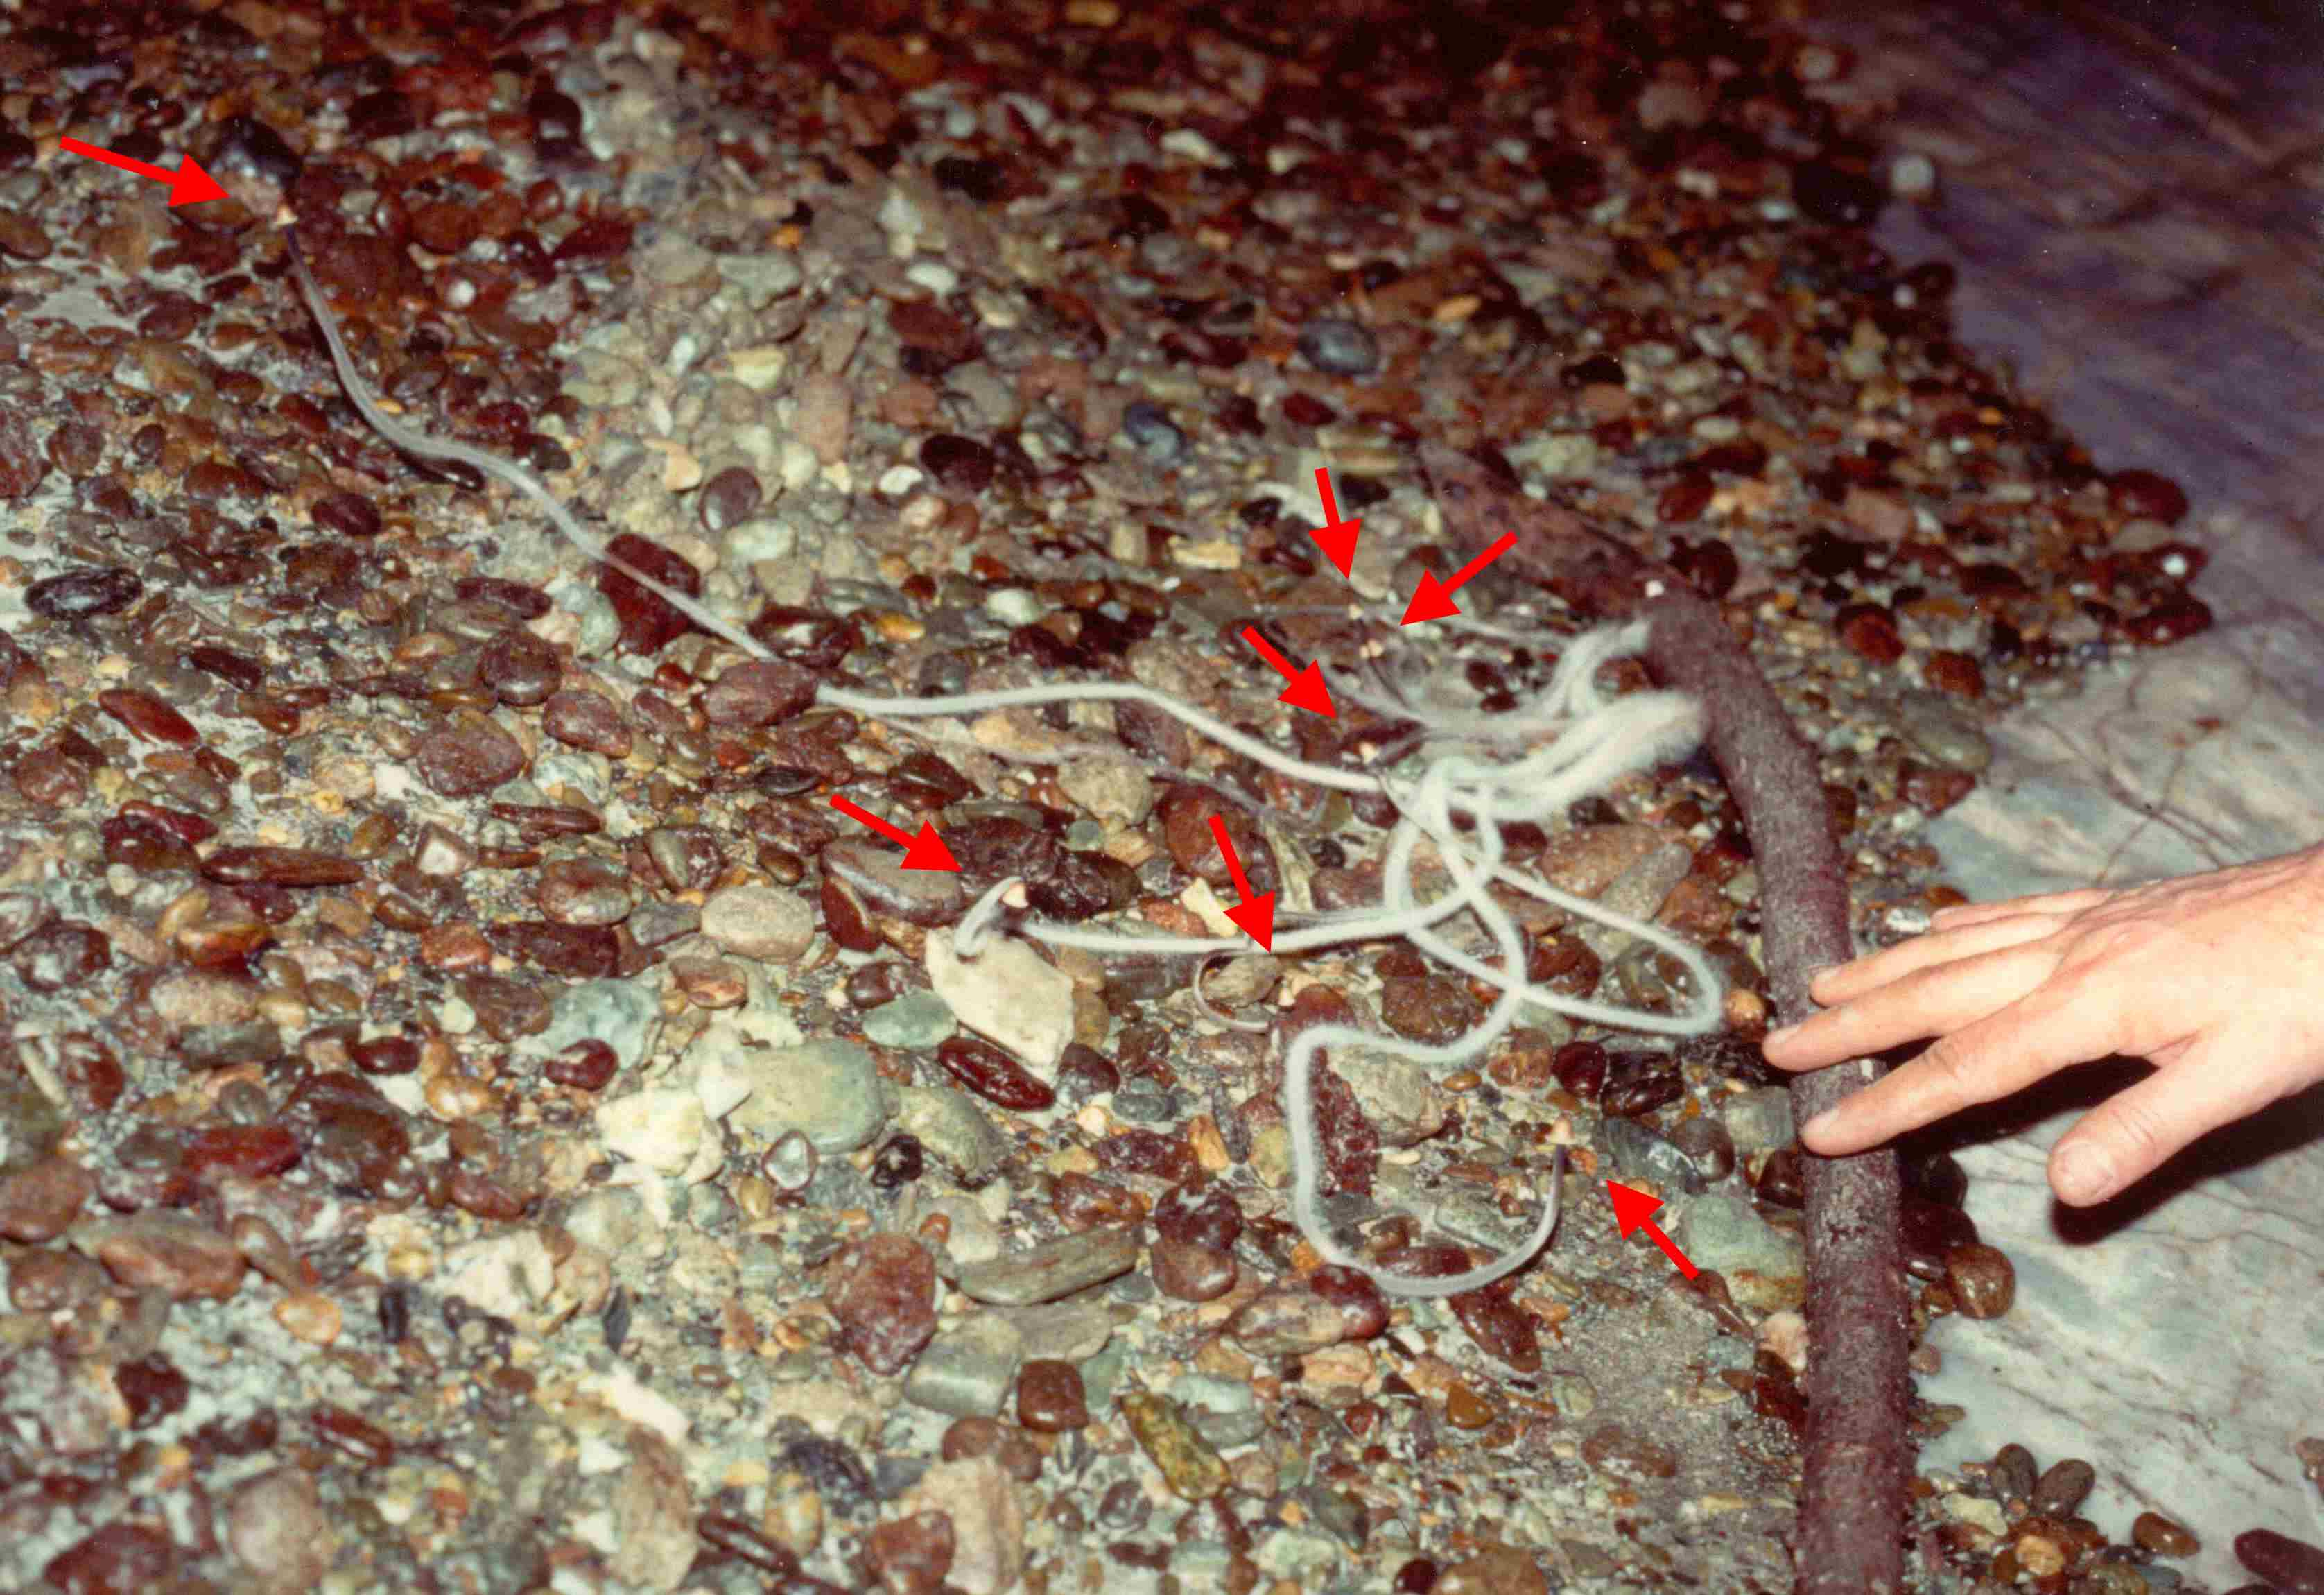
(1006, 994)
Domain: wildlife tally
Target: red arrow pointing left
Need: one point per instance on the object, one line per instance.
(188, 184)
(1634, 1208)
(926, 851)
(1256, 915)
(1432, 599)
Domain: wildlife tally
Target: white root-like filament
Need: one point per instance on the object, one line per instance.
(1591, 740)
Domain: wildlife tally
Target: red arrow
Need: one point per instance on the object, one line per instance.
(1256, 915)
(926, 851)
(1434, 599)
(188, 184)
(1338, 540)
(1633, 1208)
(1307, 690)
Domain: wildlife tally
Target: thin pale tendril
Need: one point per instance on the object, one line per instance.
(1591, 742)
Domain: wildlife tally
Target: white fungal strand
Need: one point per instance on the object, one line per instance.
(1586, 741)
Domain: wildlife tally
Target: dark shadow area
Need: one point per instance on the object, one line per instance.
(2285, 1127)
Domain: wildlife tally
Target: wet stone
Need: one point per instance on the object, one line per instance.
(966, 1371)
(119, 1559)
(1501, 1329)
(761, 922)
(1982, 1280)
(1193, 1470)
(589, 721)
(583, 892)
(81, 595)
(1053, 1268)
(2154, 1532)
(960, 466)
(38, 1202)
(992, 1074)
(1433, 1009)
(1343, 347)
(913, 1022)
(520, 668)
(281, 866)
(2062, 1487)
(2293, 1567)
(884, 1299)
(1639, 1082)
(168, 1252)
(468, 757)
(910, 1556)
(62, 956)
(277, 1528)
(760, 692)
(148, 717)
(1050, 1399)
(875, 874)
(1192, 1272)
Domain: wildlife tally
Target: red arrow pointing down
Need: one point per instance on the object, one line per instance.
(1433, 600)
(1338, 540)
(1256, 915)
(926, 851)
(1307, 690)
(1635, 1208)
(188, 184)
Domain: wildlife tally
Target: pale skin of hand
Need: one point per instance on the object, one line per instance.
(2214, 979)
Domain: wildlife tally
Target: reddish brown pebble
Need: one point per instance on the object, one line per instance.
(1049, 1396)
(2293, 1567)
(762, 692)
(123, 1558)
(884, 1297)
(38, 1203)
(2172, 621)
(2147, 495)
(588, 1065)
(910, 1556)
(992, 1074)
(1933, 790)
(1465, 1409)
(2154, 1532)
(1502, 1330)
(281, 866)
(353, 1436)
(1432, 1008)
(1981, 1279)
(169, 1251)
(470, 756)
(1870, 633)
(148, 717)
(1192, 1272)
(588, 720)
(1955, 673)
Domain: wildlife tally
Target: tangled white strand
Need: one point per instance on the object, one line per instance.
(1593, 742)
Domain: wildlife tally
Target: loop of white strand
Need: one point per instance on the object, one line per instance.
(1595, 742)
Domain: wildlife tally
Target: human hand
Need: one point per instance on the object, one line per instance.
(2216, 978)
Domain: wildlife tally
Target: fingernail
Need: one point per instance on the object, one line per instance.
(1815, 1127)
(2085, 1173)
(1775, 1037)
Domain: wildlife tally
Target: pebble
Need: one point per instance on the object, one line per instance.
(1940, 734)
(1430, 1009)
(1343, 347)
(1983, 1282)
(1763, 1265)
(653, 1511)
(2062, 1487)
(1008, 994)
(2154, 1532)
(277, 1528)
(169, 1251)
(1053, 1268)
(1405, 1104)
(662, 1128)
(1638, 1153)
(758, 693)
(884, 1298)
(954, 1130)
(980, 1500)
(966, 1371)
(1191, 1271)
(1495, 1570)
(829, 1091)
(40, 1202)
(1758, 1121)
(1286, 1321)
(913, 1022)
(2293, 1567)
(1050, 1399)
(1189, 1466)
(874, 871)
(992, 1074)
(763, 922)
